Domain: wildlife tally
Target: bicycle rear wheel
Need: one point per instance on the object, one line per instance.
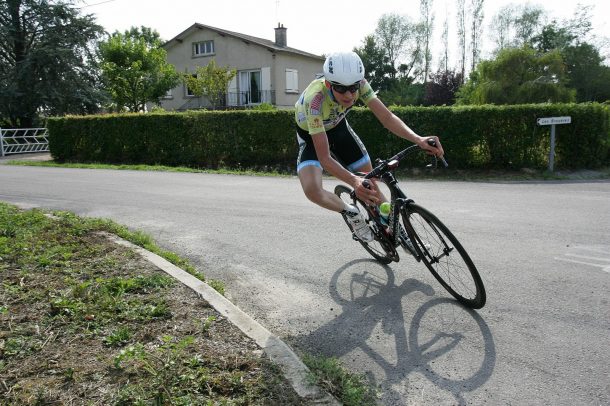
(444, 256)
(380, 248)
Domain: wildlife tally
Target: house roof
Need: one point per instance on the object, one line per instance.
(270, 45)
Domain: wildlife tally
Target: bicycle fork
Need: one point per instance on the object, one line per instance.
(399, 233)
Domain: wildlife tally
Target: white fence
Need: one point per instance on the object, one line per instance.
(23, 140)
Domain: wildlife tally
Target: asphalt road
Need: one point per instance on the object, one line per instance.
(543, 250)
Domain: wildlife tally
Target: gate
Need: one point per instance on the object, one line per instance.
(23, 140)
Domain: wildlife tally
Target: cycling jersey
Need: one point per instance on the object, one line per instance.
(318, 111)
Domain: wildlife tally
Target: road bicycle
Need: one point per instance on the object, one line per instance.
(421, 234)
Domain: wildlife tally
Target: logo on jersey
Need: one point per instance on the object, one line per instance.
(316, 104)
(301, 117)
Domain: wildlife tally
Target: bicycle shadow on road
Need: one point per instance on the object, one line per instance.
(394, 330)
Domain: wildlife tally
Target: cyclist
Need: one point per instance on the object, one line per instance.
(326, 141)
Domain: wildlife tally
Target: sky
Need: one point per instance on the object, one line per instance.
(329, 26)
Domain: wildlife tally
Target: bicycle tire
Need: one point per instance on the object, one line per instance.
(380, 248)
(437, 247)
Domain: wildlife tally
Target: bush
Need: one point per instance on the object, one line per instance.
(473, 137)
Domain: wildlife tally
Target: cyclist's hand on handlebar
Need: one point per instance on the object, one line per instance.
(366, 190)
(433, 146)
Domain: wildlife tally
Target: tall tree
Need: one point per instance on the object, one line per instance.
(47, 63)
(445, 40)
(461, 28)
(134, 68)
(377, 67)
(427, 22)
(476, 30)
(393, 33)
(527, 24)
(502, 25)
(586, 71)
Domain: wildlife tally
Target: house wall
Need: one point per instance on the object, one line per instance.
(241, 55)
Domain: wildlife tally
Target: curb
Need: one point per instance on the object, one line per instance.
(293, 368)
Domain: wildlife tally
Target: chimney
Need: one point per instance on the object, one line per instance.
(280, 35)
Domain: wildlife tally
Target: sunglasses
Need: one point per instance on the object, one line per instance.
(343, 89)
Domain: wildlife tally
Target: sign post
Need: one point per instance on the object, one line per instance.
(552, 121)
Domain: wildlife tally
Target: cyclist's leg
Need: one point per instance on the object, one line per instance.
(309, 171)
(311, 182)
(348, 147)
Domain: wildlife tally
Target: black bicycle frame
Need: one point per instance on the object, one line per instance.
(398, 199)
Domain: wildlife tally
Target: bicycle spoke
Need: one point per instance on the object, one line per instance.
(445, 257)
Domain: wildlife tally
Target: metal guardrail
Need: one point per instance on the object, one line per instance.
(23, 140)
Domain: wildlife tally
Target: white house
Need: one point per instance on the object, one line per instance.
(267, 71)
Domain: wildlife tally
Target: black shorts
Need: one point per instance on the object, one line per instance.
(344, 144)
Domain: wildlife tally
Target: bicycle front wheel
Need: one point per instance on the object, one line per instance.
(444, 256)
(380, 248)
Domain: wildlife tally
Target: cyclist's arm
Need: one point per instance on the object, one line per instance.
(320, 143)
(398, 127)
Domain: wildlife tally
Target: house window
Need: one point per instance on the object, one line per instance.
(203, 48)
(250, 87)
(168, 94)
(292, 81)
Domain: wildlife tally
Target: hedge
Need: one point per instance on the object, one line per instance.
(473, 137)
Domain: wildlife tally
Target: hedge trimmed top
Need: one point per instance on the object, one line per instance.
(505, 137)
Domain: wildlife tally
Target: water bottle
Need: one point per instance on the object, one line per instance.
(384, 212)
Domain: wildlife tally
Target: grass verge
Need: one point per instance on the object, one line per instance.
(86, 321)
(351, 389)
(471, 175)
(157, 168)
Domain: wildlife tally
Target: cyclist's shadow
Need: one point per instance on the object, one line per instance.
(371, 300)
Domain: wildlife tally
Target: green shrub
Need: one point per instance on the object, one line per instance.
(473, 137)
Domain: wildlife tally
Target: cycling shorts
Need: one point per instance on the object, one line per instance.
(345, 146)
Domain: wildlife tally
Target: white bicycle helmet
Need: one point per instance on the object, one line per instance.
(344, 68)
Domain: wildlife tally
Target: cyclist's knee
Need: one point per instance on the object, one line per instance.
(314, 193)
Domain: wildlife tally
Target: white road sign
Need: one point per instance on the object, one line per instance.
(554, 120)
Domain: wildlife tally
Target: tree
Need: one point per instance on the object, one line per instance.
(445, 39)
(134, 68)
(427, 24)
(442, 88)
(585, 67)
(397, 36)
(461, 24)
(377, 67)
(557, 35)
(502, 26)
(587, 73)
(527, 24)
(404, 92)
(211, 81)
(47, 63)
(518, 75)
(476, 32)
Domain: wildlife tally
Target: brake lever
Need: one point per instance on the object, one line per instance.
(432, 143)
